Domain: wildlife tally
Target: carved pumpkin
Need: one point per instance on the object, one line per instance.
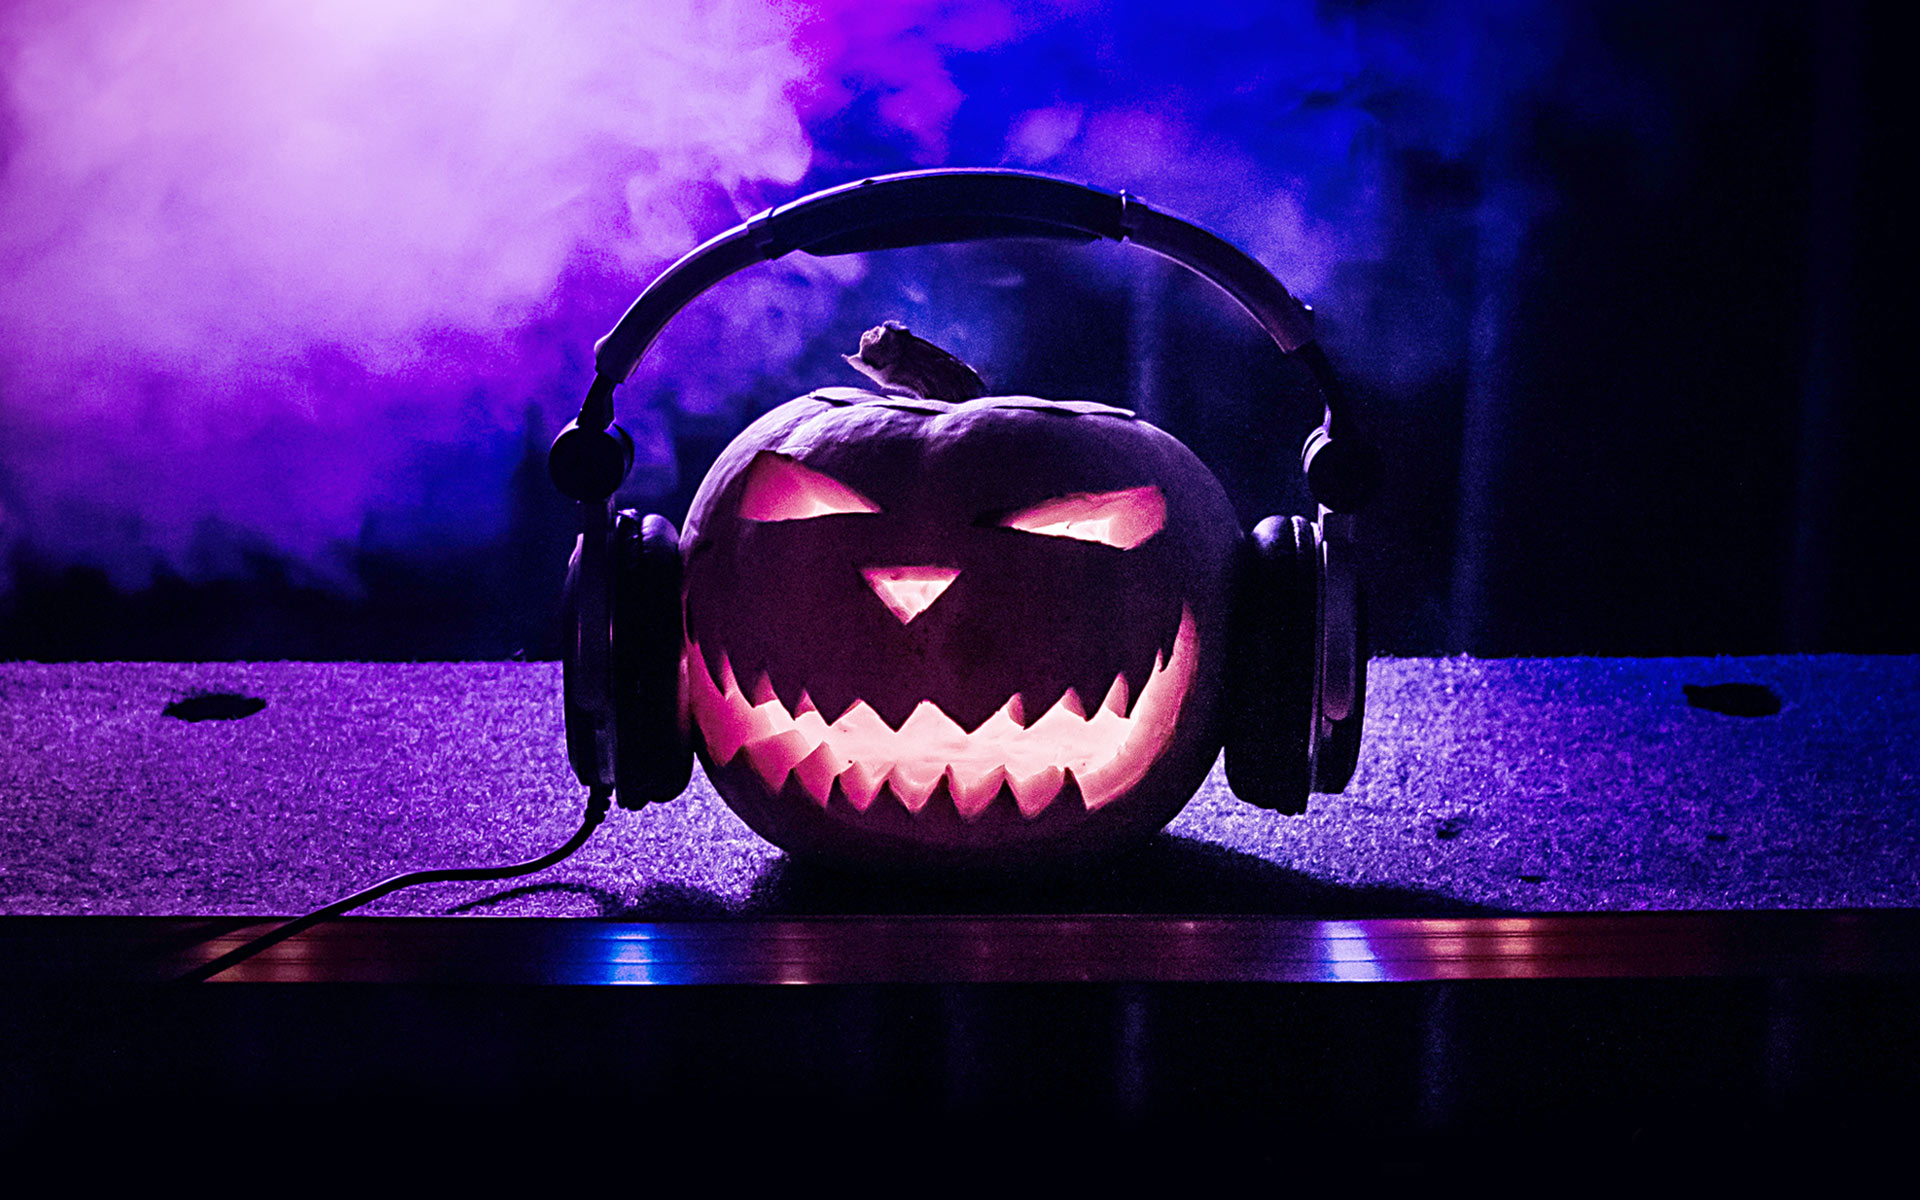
(921, 632)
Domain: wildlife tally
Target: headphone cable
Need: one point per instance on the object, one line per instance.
(598, 801)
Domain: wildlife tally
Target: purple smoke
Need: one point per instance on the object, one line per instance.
(289, 276)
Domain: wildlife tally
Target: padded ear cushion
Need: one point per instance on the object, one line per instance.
(1340, 681)
(584, 608)
(1271, 675)
(654, 752)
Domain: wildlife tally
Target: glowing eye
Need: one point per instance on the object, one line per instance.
(780, 489)
(1124, 518)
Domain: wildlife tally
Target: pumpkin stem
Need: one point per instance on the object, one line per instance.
(898, 361)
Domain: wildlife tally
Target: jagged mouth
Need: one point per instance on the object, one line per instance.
(860, 756)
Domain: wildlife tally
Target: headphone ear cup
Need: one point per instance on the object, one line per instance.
(1271, 683)
(653, 750)
(585, 620)
(1340, 678)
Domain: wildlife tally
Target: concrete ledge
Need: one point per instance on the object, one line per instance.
(1484, 786)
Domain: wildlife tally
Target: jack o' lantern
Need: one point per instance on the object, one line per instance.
(954, 632)
(935, 627)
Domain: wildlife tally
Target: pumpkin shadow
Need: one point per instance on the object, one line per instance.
(1167, 874)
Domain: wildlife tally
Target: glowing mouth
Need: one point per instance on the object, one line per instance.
(1106, 753)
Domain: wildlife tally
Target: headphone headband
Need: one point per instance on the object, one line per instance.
(919, 208)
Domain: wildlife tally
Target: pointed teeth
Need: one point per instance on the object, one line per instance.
(785, 735)
(792, 696)
(972, 790)
(927, 726)
(1003, 726)
(775, 755)
(860, 784)
(816, 772)
(762, 691)
(913, 784)
(1014, 709)
(1080, 788)
(831, 700)
(1034, 792)
(723, 733)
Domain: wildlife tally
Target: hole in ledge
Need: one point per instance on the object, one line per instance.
(214, 706)
(1733, 699)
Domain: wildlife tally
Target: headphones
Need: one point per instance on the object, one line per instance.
(1297, 683)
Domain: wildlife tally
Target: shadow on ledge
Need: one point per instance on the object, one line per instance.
(1168, 874)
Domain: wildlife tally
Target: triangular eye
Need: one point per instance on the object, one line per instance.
(1124, 518)
(780, 489)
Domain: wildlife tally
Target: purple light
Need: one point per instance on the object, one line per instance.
(288, 277)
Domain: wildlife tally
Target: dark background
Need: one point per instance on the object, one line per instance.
(1667, 416)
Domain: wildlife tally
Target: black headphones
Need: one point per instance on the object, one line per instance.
(1299, 662)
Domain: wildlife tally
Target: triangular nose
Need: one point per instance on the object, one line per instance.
(906, 591)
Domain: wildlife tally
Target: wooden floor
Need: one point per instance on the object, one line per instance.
(977, 949)
(1705, 1038)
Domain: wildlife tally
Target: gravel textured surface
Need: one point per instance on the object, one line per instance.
(1484, 785)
